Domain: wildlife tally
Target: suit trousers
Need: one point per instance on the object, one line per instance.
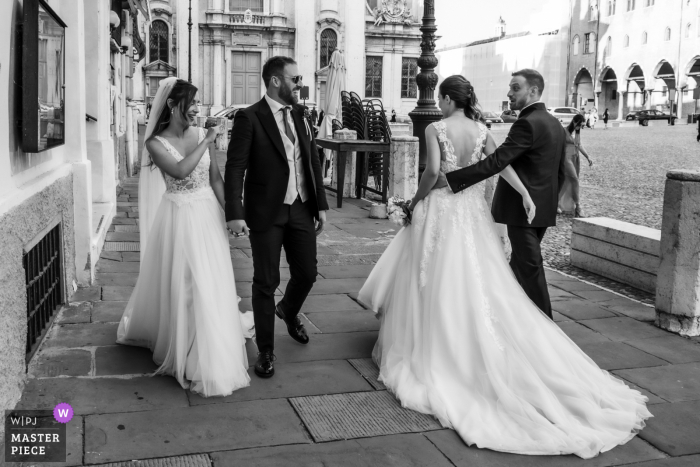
(293, 229)
(527, 265)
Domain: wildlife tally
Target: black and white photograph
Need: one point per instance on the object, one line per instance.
(411, 233)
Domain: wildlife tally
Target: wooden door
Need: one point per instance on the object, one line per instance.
(245, 77)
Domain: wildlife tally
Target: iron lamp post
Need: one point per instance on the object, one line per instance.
(426, 112)
(189, 52)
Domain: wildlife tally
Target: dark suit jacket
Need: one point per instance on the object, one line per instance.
(535, 149)
(256, 153)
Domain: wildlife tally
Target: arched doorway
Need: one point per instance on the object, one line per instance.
(608, 97)
(583, 95)
(636, 97)
(665, 81)
(692, 71)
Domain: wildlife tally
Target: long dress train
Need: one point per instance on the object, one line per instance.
(461, 340)
(184, 306)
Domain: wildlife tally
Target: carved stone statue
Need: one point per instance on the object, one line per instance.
(393, 12)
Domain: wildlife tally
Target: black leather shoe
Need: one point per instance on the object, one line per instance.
(264, 367)
(294, 327)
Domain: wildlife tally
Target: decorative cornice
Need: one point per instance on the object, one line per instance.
(328, 21)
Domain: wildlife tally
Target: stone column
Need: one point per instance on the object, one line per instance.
(620, 106)
(403, 167)
(678, 278)
(217, 90)
(349, 186)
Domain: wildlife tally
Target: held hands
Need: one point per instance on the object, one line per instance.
(237, 228)
(529, 206)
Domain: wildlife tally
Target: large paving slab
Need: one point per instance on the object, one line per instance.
(653, 398)
(580, 309)
(450, 444)
(623, 329)
(74, 446)
(674, 428)
(108, 312)
(556, 294)
(320, 347)
(672, 348)
(104, 395)
(86, 294)
(127, 279)
(332, 286)
(74, 314)
(122, 237)
(686, 461)
(246, 274)
(159, 433)
(618, 355)
(294, 380)
(81, 335)
(344, 321)
(581, 334)
(123, 360)
(406, 450)
(597, 296)
(112, 293)
(61, 362)
(638, 311)
(336, 302)
(674, 383)
(345, 272)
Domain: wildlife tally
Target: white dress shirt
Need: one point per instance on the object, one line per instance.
(296, 186)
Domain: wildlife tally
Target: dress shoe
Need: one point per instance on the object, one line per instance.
(264, 367)
(578, 213)
(294, 327)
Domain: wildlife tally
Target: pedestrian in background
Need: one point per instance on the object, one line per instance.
(393, 116)
(606, 116)
(569, 193)
(314, 115)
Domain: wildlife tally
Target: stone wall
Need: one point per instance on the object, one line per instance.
(17, 228)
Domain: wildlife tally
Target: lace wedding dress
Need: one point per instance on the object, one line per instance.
(461, 340)
(184, 306)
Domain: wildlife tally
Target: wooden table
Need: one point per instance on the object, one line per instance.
(343, 147)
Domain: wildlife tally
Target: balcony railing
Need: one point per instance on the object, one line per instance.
(239, 18)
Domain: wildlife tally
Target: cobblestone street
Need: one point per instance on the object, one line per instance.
(626, 183)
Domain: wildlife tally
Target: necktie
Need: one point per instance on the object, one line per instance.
(287, 128)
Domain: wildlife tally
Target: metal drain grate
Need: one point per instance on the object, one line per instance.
(126, 228)
(367, 368)
(358, 415)
(122, 246)
(196, 460)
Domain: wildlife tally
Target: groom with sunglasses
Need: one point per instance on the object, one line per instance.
(274, 193)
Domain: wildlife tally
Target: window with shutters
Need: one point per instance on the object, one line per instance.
(329, 41)
(409, 70)
(373, 77)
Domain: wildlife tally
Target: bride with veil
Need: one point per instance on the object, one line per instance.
(184, 306)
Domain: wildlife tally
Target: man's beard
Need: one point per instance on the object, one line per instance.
(287, 95)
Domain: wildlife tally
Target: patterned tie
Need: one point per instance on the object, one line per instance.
(287, 128)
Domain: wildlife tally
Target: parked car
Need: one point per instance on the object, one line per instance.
(563, 114)
(646, 115)
(228, 112)
(509, 116)
(491, 117)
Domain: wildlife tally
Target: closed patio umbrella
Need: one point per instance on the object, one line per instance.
(335, 83)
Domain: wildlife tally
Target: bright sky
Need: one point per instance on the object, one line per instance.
(460, 21)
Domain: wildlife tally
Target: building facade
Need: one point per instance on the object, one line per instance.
(57, 203)
(231, 40)
(489, 63)
(628, 55)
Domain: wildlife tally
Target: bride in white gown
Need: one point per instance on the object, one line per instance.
(459, 337)
(184, 306)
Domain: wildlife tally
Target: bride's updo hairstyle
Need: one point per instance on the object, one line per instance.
(182, 94)
(462, 93)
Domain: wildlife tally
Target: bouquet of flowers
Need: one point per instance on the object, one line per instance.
(397, 209)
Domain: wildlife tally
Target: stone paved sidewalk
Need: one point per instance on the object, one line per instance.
(325, 406)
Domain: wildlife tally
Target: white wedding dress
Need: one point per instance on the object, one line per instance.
(184, 306)
(461, 340)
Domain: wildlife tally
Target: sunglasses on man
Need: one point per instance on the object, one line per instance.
(295, 79)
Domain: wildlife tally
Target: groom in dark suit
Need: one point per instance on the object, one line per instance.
(535, 149)
(274, 192)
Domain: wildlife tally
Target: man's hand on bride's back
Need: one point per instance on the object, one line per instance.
(441, 181)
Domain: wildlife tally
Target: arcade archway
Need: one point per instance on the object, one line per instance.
(583, 94)
(608, 97)
(636, 84)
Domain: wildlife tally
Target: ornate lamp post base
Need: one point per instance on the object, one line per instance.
(426, 112)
